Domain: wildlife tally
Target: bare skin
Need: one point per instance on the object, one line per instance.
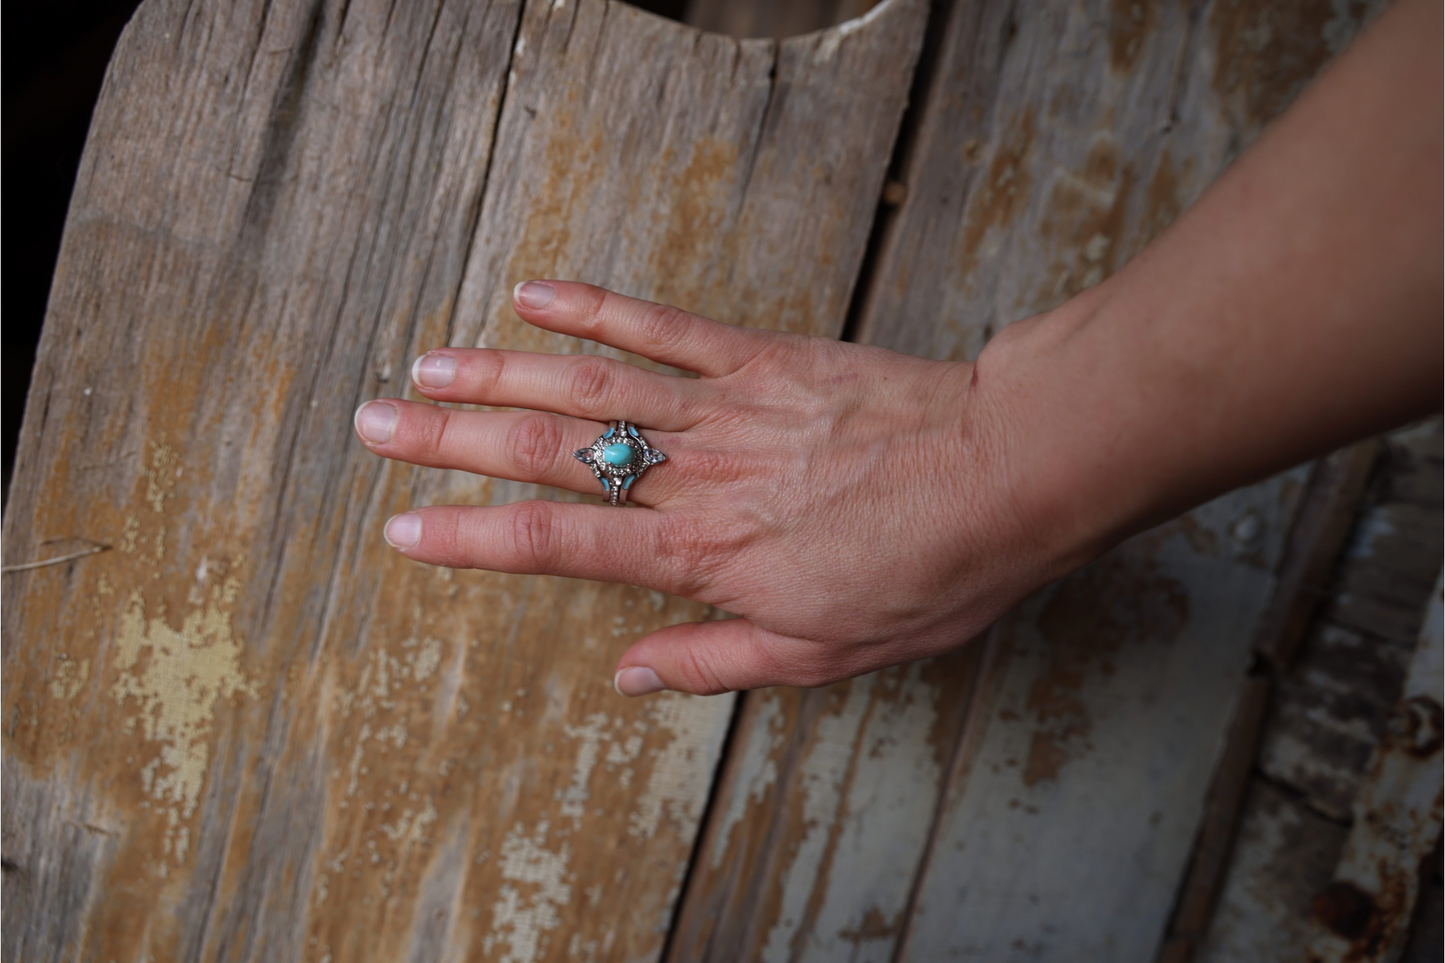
(1295, 308)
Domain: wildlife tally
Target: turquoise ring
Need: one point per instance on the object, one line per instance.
(617, 458)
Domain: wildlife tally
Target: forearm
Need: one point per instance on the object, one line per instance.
(1296, 307)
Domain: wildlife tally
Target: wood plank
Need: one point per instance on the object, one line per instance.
(1282, 860)
(750, 18)
(1327, 507)
(822, 816)
(1051, 148)
(1045, 150)
(249, 729)
(1328, 714)
(1327, 513)
(1364, 915)
(1332, 704)
(1219, 826)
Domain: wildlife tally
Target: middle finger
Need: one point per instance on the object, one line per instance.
(526, 446)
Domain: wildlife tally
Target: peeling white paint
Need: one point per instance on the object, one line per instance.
(821, 781)
(758, 771)
(188, 670)
(524, 914)
(678, 783)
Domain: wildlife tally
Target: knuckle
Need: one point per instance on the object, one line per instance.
(689, 559)
(430, 433)
(487, 367)
(590, 383)
(591, 308)
(714, 466)
(534, 443)
(533, 534)
(698, 674)
(659, 325)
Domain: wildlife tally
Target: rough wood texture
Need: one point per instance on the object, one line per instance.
(1219, 826)
(1282, 860)
(1332, 706)
(249, 730)
(772, 19)
(822, 817)
(1364, 915)
(1321, 526)
(1049, 145)
(1327, 513)
(1052, 148)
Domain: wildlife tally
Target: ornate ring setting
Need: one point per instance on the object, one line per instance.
(617, 458)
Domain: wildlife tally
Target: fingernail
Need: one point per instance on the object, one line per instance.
(637, 680)
(433, 370)
(375, 421)
(533, 294)
(403, 531)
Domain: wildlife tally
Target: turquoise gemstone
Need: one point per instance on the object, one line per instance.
(617, 455)
(605, 489)
(632, 431)
(627, 482)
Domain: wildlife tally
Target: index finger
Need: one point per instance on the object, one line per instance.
(657, 331)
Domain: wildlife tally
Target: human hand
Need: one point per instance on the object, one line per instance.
(842, 500)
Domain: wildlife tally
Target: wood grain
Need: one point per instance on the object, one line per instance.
(1364, 915)
(1045, 148)
(249, 731)
(1332, 711)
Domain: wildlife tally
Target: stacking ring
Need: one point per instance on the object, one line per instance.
(617, 458)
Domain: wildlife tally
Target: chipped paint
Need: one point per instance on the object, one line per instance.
(1364, 915)
(70, 677)
(528, 904)
(161, 475)
(674, 788)
(187, 671)
(759, 762)
(590, 734)
(821, 781)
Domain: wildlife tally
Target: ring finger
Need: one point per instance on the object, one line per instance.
(526, 446)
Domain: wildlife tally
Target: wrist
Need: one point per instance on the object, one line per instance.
(1051, 448)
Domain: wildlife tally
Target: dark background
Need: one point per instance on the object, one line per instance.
(55, 57)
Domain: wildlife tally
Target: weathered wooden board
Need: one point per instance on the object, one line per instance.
(1048, 147)
(822, 816)
(1283, 859)
(1068, 834)
(1364, 915)
(1332, 705)
(1321, 527)
(249, 730)
(759, 18)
